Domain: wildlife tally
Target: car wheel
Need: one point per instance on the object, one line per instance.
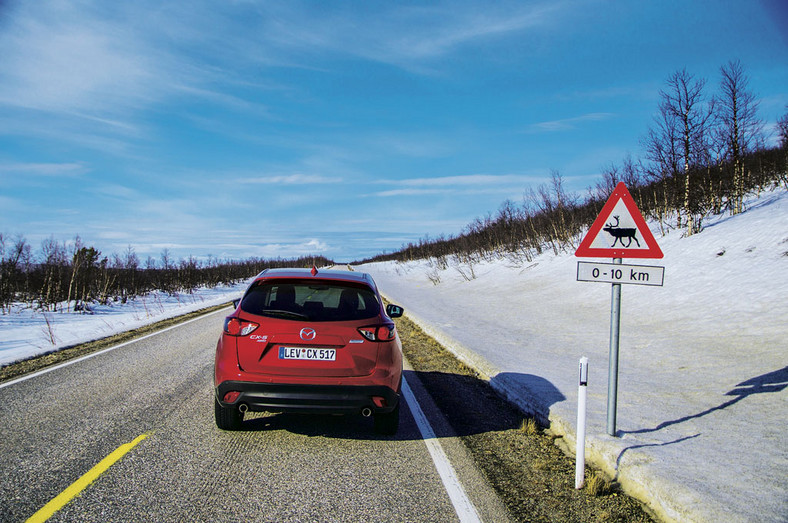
(227, 418)
(387, 423)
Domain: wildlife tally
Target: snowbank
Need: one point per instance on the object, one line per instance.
(702, 402)
(25, 333)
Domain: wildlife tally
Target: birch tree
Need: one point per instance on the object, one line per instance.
(54, 263)
(738, 127)
(77, 261)
(680, 140)
(661, 147)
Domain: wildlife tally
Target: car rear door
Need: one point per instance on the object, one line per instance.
(309, 328)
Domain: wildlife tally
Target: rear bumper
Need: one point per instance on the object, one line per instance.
(311, 399)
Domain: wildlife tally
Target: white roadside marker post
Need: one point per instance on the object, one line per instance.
(580, 445)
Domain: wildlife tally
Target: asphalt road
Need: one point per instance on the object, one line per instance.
(57, 426)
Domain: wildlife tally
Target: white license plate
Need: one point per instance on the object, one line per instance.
(307, 353)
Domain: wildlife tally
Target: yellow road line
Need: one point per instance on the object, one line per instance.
(82, 483)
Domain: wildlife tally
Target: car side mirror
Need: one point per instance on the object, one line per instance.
(236, 302)
(394, 311)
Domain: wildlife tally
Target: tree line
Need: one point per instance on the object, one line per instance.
(72, 276)
(702, 154)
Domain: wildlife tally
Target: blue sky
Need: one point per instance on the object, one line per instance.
(279, 129)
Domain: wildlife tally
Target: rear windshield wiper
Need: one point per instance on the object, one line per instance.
(277, 312)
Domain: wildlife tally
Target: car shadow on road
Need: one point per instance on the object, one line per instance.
(468, 405)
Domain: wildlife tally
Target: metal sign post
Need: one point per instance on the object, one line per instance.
(612, 378)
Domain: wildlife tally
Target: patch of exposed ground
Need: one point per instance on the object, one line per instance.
(533, 477)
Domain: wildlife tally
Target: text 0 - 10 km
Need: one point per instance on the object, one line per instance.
(619, 273)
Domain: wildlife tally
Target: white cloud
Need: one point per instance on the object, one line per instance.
(291, 179)
(483, 180)
(117, 191)
(412, 144)
(568, 123)
(252, 248)
(404, 36)
(467, 184)
(68, 61)
(96, 66)
(456, 27)
(409, 192)
(43, 169)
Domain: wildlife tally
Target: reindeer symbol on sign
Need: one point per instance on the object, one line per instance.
(621, 233)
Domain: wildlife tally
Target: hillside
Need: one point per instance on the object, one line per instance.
(703, 370)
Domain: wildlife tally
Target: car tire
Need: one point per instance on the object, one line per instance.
(227, 418)
(387, 423)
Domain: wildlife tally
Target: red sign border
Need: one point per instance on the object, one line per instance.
(619, 193)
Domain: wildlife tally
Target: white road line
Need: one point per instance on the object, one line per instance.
(93, 354)
(462, 505)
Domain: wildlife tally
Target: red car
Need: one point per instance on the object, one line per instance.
(310, 342)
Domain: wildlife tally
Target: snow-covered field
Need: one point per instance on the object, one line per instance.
(25, 332)
(702, 403)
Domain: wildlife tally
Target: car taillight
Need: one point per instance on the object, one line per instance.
(378, 332)
(237, 327)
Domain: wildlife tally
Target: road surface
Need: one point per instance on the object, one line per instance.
(146, 407)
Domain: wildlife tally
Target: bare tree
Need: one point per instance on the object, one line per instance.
(77, 261)
(680, 140)
(166, 259)
(661, 146)
(782, 129)
(54, 263)
(565, 203)
(131, 263)
(738, 127)
(10, 272)
(631, 172)
(611, 175)
(150, 263)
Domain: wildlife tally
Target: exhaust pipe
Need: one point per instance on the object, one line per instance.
(366, 412)
(243, 407)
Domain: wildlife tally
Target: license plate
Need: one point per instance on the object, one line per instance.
(307, 353)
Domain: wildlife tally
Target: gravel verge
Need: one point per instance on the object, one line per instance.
(521, 460)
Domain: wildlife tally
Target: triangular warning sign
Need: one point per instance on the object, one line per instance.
(619, 231)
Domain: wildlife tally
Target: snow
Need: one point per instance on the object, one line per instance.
(703, 369)
(25, 333)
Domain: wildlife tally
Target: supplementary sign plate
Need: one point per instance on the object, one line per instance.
(620, 273)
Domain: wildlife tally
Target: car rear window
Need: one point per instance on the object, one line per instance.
(310, 300)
